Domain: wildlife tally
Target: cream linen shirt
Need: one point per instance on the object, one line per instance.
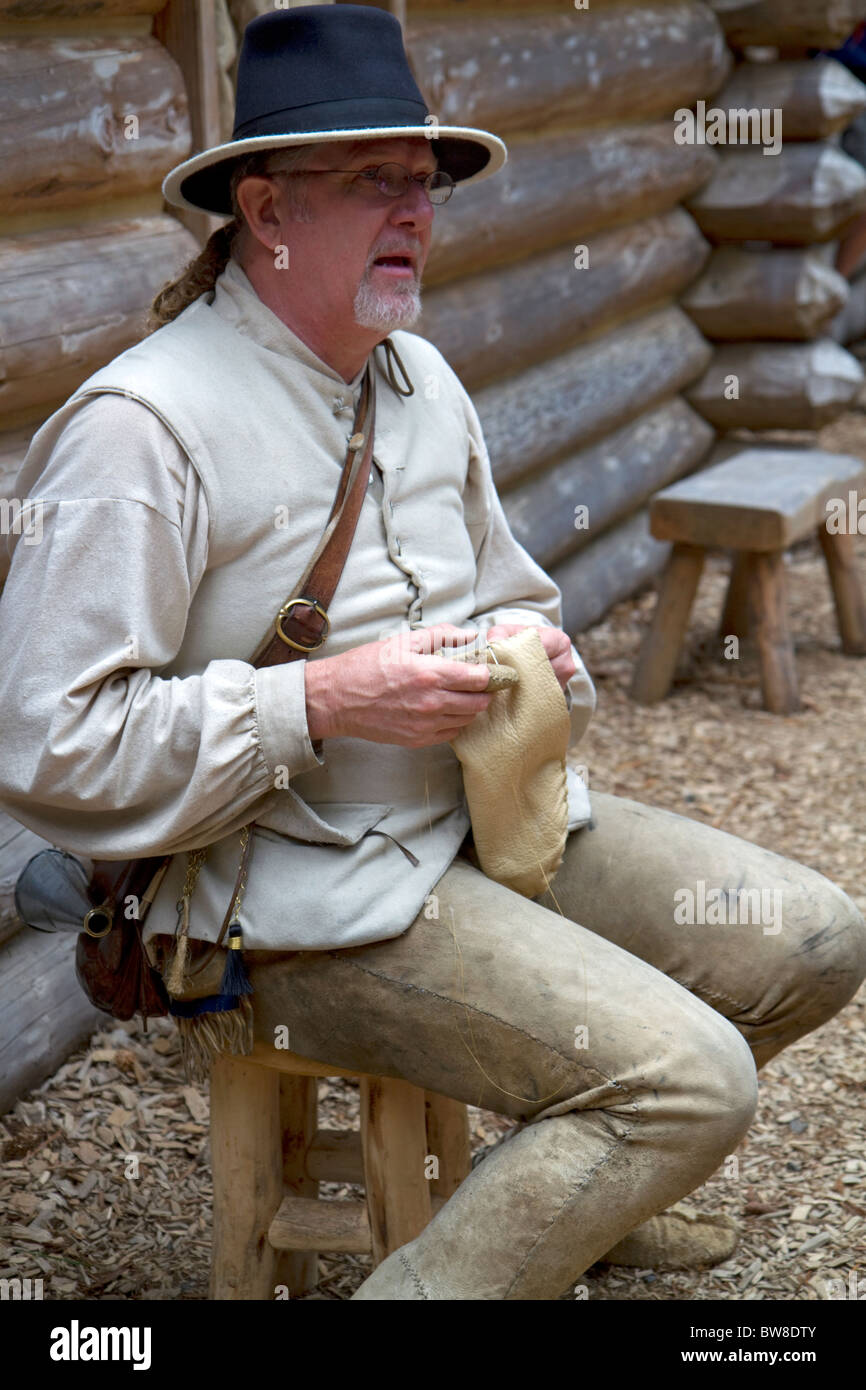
(108, 752)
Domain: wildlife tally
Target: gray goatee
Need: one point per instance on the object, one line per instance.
(398, 307)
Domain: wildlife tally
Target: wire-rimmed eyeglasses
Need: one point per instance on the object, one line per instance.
(393, 180)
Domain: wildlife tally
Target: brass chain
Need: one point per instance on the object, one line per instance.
(245, 835)
(195, 859)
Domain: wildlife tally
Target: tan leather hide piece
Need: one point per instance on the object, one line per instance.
(513, 757)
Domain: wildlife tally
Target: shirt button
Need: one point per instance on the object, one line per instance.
(338, 405)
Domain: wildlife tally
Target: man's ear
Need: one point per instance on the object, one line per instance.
(258, 198)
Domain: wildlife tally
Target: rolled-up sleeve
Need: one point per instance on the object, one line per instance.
(100, 753)
(510, 587)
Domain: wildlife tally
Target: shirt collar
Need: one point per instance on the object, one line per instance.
(236, 301)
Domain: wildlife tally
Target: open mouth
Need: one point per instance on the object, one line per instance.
(402, 264)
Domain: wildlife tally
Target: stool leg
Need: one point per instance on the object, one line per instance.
(847, 593)
(661, 645)
(448, 1139)
(299, 1117)
(769, 615)
(246, 1160)
(735, 614)
(394, 1145)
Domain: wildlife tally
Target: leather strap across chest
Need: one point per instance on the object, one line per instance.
(302, 624)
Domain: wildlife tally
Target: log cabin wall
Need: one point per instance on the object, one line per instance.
(93, 113)
(769, 297)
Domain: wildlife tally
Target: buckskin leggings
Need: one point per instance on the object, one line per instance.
(624, 1036)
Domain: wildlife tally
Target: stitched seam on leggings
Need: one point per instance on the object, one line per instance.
(567, 1201)
(422, 1289)
(483, 1013)
(702, 993)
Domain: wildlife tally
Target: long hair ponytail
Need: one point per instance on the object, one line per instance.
(196, 279)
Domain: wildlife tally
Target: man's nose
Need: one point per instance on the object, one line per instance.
(413, 207)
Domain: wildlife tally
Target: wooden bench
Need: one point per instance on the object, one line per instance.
(269, 1155)
(756, 503)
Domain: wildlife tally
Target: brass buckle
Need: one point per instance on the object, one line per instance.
(104, 910)
(284, 613)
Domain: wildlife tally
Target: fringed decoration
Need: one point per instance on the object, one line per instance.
(222, 1022)
(211, 1026)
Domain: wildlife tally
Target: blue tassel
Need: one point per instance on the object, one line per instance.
(235, 980)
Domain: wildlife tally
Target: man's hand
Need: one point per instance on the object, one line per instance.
(556, 643)
(396, 691)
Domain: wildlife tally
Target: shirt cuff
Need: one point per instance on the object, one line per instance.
(524, 617)
(281, 714)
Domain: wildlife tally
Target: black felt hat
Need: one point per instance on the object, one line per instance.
(326, 72)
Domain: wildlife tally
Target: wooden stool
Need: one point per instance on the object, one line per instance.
(269, 1156)
(757, 503)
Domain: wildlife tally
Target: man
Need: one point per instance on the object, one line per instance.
(183, 487)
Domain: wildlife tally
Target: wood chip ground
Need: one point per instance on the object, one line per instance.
(105, 1189)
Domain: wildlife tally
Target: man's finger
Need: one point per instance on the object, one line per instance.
(458, 675)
